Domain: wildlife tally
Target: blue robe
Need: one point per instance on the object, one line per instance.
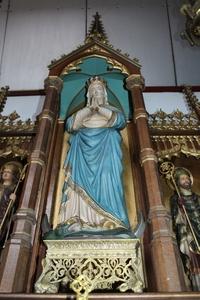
(95, 163)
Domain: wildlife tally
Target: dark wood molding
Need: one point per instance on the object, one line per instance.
(102, 296)
(17, 133)
(19, 93)
(148, 89)
(169, 89)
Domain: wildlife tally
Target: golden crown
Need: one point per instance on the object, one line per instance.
(96, 80)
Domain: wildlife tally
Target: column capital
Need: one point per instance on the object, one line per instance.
(147, 154)
(135, 80)
(55, 82)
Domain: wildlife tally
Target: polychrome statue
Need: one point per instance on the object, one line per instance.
(10, 173)
(93, 198)
(185, 209)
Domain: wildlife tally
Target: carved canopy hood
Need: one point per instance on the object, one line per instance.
(96, 43)
(95, 57)
(16, 136)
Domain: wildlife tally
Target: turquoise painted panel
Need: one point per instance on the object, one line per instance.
(73, 95)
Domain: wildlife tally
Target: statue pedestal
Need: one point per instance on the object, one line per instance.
(89, 264)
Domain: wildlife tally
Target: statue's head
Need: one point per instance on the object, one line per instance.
(183, 178)
(96, 91)
(10, 172)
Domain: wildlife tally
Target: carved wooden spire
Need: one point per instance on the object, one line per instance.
(96, 31)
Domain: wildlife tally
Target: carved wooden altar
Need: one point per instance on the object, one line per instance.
(148, 142)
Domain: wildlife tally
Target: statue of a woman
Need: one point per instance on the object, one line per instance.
(93, 199)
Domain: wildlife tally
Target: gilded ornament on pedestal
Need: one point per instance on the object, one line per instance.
(88, 265)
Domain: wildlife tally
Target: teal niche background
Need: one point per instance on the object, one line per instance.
(73, 96)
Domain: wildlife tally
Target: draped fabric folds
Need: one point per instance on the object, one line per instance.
(93, 168)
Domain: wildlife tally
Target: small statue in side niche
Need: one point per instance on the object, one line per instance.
(185, 210)
(10, 175)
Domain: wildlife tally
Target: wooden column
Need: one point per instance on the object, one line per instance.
(167, 268)
(39, 249)
(16, 255)
(55, 170)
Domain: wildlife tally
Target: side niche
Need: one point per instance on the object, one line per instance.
(16, 142)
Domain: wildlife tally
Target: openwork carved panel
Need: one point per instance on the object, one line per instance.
(176, 133)
(174, 121)
(169, 145)
(15, 146)
(13, 123)
(92, 264)
(16, 136)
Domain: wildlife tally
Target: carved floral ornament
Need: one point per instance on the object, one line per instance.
(15, 134)
(135, 80)
(12, 122)
(177, 120)
(167, 146)
(192, 31)
(113, 64)
(92, 264)
(15, 146)
(164, 128)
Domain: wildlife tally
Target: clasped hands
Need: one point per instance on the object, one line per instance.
(94, 107)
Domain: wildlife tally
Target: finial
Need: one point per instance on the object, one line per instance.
(96, 30)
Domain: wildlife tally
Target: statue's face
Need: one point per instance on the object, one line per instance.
(185, 182)
(97, 94)
(7, 175)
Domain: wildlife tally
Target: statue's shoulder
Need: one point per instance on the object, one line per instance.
(174, 198)
(196, 198)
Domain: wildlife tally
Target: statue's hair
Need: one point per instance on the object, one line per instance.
(14, 166)
(182, 171)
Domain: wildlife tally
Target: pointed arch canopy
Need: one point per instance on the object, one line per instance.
(73, 95)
